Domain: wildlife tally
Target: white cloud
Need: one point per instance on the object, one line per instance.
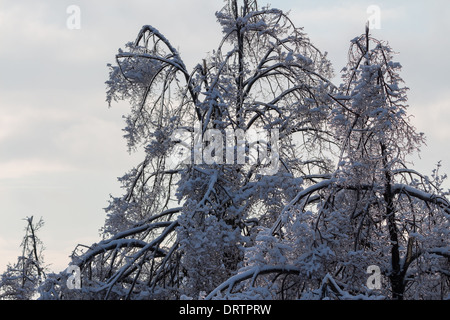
(10, 250)
(19, 117)
(8, 125)
(18, 169)
(433, 117)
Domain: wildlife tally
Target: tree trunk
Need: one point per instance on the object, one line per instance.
(396, 275)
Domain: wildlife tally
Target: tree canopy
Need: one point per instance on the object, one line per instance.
(290, 186)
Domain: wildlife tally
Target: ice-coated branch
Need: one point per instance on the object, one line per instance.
(422, 195)
(143, 251)
(174, 63)
(251, 273)
(300, 195)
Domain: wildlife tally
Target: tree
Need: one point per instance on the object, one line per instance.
(262, 179)
(372, 211)
(181, 230)
(22, 280)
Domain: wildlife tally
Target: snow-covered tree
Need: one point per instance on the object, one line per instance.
(22, 280)
(181, 227)
(373, 210)
(261, 179)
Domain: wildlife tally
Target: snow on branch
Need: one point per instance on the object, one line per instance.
(118, 242)
(306, 192)
(173, 62)
(251, 273)
(142, 252)
(328, 282)
(422, 195)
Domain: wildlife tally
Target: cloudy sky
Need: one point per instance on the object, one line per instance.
(61, 147)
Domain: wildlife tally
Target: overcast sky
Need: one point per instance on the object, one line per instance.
(61, 147)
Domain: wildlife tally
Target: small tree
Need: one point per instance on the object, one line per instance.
(22, 280)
